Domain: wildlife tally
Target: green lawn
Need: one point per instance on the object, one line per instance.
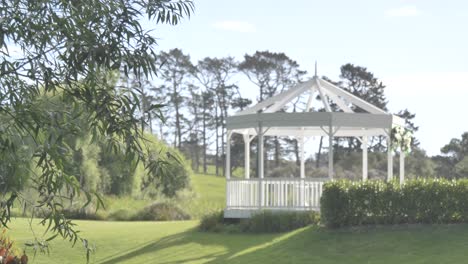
(179, 242)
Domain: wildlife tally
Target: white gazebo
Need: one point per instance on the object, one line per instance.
(268, 118)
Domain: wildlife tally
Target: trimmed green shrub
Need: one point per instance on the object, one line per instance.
(262, 222)
(346, 203)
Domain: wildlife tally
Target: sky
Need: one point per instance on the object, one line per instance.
(418, 48)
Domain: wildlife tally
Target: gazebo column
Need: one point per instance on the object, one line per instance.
(389, 158)
(302, 158)
(260, 150)
(330, 152)
(364, 158)
(228, 155)
(302, 187)
(247, 156)
(402, 166)
(260, 164)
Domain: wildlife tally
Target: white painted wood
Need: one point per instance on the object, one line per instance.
(299, 120)
(301, 146)
(402, 167)
(286, 99)
(246, 156)
(311, 98)
(264, 119)
(260, 150)
(389, 159)
(364, 158)
(316, 131)
(323, 97)
(272, 100)
(340, 102)
(228, 155)
(351, 98)
(330, 152)
(284, 193)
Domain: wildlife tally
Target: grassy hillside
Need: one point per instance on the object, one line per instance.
(210, 195)
(179, 242)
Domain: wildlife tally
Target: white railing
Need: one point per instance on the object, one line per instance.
(274, 193)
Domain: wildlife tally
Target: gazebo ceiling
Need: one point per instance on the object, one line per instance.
(271, 114)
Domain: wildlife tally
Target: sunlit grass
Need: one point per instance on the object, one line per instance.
(180, 242)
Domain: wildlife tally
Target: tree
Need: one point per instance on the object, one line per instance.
(455, 163)
(174, 72)
(215, 75)
(72, 47)
(362, 83)
(272, 73)
(410, 125)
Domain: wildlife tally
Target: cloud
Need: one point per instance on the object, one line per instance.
(235, 26)
(405, 11)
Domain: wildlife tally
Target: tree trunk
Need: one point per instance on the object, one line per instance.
(177, 110)
(319, 153)
(217, 141)
(223, 155)
(197, 156)
(277, 152)
(296, 153)
(204, 137)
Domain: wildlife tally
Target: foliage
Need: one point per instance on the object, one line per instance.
(453, 164)
(173, 173)
(9, 254)
(212, 222)
(70, 47)
(261, 222)
(346, 203)
(161, 212)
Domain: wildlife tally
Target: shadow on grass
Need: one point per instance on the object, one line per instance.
(228, 244)
(409, 244)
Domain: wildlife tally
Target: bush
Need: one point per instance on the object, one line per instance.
(121, 215)
(213, 222)
(9, 253)
(81, 214)
(161, 212)
(346, 203)
(262, 222)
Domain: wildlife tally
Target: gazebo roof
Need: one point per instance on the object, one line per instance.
(273, 116)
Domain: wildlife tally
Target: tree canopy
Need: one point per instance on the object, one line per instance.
(74, 48)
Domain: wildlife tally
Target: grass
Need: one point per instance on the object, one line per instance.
(180, 242)
(210, 195)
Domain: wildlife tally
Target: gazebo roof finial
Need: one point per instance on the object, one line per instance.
(315, 69)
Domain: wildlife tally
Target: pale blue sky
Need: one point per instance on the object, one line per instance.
(419, 49)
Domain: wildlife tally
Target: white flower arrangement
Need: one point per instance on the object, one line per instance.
(401, 139)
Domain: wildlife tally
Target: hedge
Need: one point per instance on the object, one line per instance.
(347, 203)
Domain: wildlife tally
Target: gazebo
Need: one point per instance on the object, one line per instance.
(269, 118)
